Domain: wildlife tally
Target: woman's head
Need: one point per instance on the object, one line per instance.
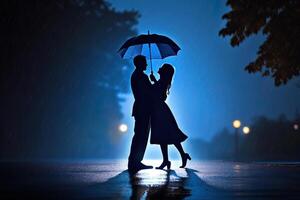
(166, 73)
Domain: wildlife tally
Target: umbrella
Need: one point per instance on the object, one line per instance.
(152, 46)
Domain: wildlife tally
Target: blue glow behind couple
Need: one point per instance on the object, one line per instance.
(151, 111)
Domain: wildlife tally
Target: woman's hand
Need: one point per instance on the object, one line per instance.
(152, 78)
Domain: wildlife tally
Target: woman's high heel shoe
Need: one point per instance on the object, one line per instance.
(184, 160)
(165, 163)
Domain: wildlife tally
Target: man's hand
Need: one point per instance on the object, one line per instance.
(152, 78)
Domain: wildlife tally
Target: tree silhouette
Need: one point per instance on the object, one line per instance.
(269, 139)
(60, 76)
(279, 22)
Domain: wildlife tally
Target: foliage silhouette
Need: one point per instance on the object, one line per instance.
(60, 76)
(279, 22)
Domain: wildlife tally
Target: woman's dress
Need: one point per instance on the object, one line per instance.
(164, 128)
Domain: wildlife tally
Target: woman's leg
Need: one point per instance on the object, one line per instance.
(164, 151)
(166, 162)
(180, 149)
(184, 156)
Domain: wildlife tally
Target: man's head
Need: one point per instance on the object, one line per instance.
(140, 62)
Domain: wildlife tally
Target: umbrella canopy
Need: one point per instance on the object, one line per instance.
(152, 46)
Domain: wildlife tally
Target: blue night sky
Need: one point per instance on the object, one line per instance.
(210, 87)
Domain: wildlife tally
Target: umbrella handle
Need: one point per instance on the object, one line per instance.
(151, 66)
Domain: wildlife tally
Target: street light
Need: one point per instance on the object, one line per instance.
(123, 128)
(296, 127)
(236, 124)
(246, 130)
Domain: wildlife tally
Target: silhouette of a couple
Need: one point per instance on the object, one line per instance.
(151, 110)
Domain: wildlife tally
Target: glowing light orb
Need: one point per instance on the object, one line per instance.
(236, 123)
(246, 130)
(296, 127)
(123, 128)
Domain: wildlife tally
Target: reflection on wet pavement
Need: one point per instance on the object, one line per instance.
(155, 184)
(159, 184)
(111, 180)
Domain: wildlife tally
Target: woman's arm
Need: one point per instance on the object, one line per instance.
(152, 78)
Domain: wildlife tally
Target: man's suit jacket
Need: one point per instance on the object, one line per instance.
(141, 89)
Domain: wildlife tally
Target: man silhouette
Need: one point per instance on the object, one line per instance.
(141, 89)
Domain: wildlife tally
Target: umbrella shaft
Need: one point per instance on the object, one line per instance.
(150, 57)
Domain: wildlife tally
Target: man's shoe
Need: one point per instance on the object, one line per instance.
(142, 166)
(133, 168)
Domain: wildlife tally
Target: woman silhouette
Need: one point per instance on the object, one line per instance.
(164, 128)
